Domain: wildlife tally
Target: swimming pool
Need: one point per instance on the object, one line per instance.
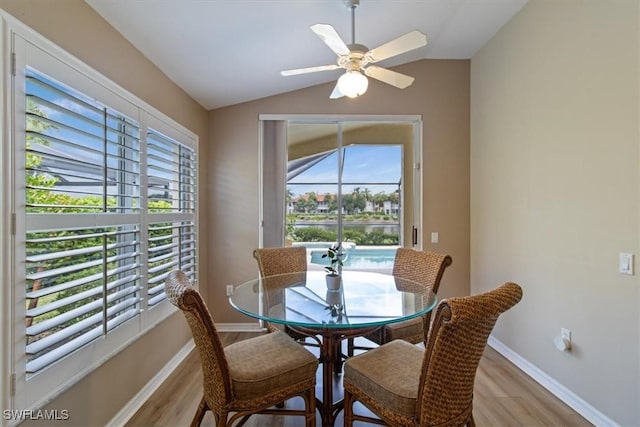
(361, 257)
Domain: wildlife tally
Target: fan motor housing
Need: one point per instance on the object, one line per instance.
(356, 59)
(358, 48)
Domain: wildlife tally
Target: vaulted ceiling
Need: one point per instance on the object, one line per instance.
(224, 52)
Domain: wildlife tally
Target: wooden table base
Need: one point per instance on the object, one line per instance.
(331, 357)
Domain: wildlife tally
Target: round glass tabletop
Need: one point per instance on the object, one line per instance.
(364, 299)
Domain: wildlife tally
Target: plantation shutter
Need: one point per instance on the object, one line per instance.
(103, 206)
(171, 178)
(83, 251)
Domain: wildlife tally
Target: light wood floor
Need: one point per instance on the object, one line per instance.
(504, 396)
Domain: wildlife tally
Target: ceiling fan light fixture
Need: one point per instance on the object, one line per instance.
(356, 58)
(353, 83)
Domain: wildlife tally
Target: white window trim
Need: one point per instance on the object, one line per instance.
(6, 297)
(13, 391)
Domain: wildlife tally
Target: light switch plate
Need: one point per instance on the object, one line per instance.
(626, 263)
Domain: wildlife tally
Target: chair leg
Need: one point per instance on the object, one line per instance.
(202, 408)
(348, 409)
(310, 407)
(350, 345)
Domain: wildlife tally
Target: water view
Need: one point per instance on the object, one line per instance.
(363, 228)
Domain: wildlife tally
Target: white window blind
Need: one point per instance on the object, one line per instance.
(81, 157)
(103, 207)
(110, 210)
(171, 178)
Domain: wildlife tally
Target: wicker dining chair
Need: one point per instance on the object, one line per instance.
(272, 261)
(423, 267)
(249, 376)
(282, 260)
(406, 385)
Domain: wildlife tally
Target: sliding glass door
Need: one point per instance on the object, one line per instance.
(348, 182)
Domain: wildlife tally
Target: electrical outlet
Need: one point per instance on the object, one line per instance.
(229, 290)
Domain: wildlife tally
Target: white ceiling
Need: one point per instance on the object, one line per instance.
(224, 52)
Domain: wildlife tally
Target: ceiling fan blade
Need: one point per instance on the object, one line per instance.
(336, 93)
(393, 78)
(308, 70)
(329, 35)
(402, 44)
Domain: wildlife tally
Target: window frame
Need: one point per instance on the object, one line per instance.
(24, 47)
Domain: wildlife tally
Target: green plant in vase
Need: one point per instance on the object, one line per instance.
(334, 254)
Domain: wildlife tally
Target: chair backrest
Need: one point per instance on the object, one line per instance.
(456, 341)
(272, 261)
(422, 267)
(215, 371)
(277, 261)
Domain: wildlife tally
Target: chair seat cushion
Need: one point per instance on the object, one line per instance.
(389, 375)
(268, 363)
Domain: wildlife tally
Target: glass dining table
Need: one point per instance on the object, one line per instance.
(305, 305)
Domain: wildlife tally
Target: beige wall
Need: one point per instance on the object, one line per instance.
(440, 94)
(74, 26)
(555, 191)
(554, 185)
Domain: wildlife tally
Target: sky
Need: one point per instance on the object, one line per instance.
(365, 166)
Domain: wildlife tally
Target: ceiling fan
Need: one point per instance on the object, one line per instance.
(356, 59)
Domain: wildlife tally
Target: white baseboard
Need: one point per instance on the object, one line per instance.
(129, 410)
(594, 416)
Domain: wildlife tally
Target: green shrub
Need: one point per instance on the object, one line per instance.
(314, 234)
(358, 237)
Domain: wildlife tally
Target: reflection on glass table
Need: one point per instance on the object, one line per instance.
(365, 302)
